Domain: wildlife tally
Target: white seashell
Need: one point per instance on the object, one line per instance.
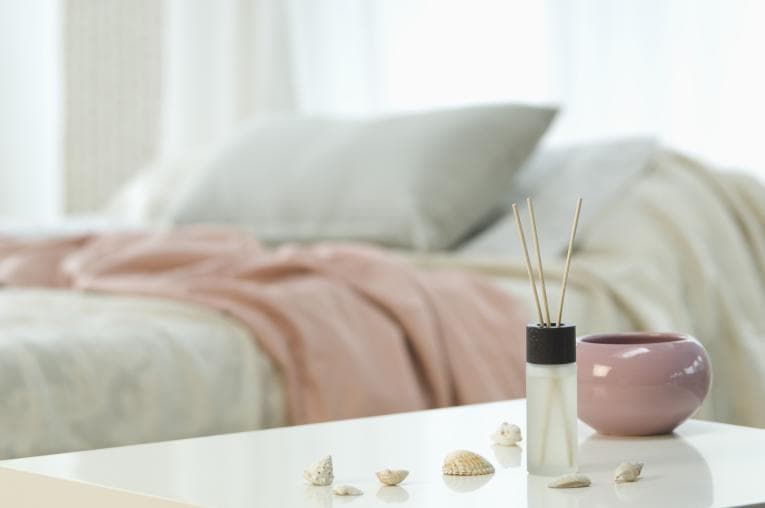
(320, 473)
(392, 476)
(465, 463)
(628, 472)
(507, 435)
(570, 481)
(346, 490)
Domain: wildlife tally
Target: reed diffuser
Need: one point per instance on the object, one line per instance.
(551, 412)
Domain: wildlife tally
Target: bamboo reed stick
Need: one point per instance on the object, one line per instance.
(556, 391)
(546, 418)
(530, 271)
(568, 259)
(533, 219)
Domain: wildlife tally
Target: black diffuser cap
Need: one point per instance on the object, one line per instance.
(550, 345)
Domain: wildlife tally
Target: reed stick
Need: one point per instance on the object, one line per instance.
(530, 271)
(546, 419)
(568, 259)
(555, 390)
(533, 219)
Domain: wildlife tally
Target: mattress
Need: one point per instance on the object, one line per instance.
(81, 371)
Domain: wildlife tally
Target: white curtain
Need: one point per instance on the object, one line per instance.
(112, 62)
(29, 110)
(224, 61)
(143, 79)
(686, 71)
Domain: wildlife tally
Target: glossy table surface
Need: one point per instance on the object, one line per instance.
(702, 464)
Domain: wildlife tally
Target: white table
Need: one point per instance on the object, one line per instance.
(703, 464)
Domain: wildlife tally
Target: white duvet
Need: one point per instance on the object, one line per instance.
(87, 371)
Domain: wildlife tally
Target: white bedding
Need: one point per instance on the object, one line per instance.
(84, 371)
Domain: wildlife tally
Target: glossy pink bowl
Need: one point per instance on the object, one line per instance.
(640, 384)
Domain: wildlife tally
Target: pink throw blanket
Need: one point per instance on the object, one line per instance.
(355, 331)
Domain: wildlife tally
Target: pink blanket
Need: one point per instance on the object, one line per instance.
(355, 331)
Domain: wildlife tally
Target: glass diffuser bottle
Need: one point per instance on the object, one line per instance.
(551, 412)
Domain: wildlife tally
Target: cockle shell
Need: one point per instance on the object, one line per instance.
(628, 472)
(507, 435)
(392, 476)
(465, 463)
(320, 473)
(346, 490)
(570, 481)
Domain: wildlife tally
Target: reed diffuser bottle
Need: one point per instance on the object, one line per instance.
(551, 421)
(551, 424)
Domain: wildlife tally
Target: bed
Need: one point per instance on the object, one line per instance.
(668, 245)
(166, 370)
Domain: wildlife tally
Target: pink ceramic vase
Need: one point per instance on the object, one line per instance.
(640, 384)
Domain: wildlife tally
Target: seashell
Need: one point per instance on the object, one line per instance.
(320, 473)
(392, 476)
(628, 472)
(507, 435)
(465, 463)
(346, 490)
(570, 481)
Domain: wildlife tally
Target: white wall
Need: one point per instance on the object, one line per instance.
(29, 109)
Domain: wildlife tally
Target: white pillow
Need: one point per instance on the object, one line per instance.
(416, 181)
(599, 172)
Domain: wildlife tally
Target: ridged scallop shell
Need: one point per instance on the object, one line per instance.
(570, 481)
(346, 490)
(628, 472)
(320, 473)
(392, 476)
(507, 435)
(465, 463)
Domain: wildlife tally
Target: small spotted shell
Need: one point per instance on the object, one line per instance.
(392, 476)
(320, 473)
(465, 463)
(507, 435)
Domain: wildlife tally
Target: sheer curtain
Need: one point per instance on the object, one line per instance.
(224, 61)
(685, 71)
(111, 65)
(29, 110)
(144, 79)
